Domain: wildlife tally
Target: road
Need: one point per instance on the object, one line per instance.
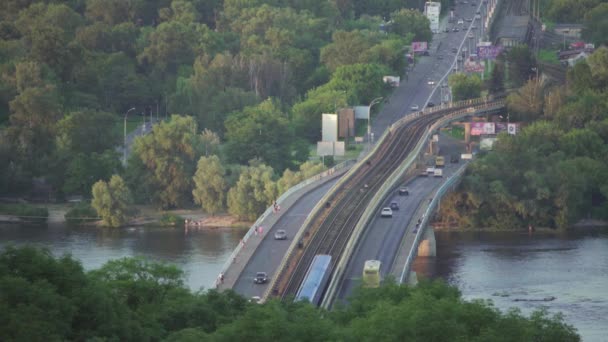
(415, 90)
(270, 252)
(383, 236)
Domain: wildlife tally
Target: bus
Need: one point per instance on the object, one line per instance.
(371, 273)
(439, 161)
(314, 283)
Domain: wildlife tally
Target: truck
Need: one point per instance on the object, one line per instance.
(438, 173)
(439, 161)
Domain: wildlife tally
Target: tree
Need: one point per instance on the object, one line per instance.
(210, 141)
(111, 201)
(210, 184)
(596, 26)
(519, 65)
(259, 132)
(88, 131)
(598, 63)
(253, 193)
(169, 154)
(465, 87)
(411, 21)
(527, 102)
(336, 54)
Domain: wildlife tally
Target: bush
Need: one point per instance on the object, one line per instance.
(81, 213)
(25, 212)
(171, 220)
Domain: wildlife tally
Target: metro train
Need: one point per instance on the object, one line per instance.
(316, 279)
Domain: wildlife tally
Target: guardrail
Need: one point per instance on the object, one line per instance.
(384, 190)
(436, 196)
(281, 198)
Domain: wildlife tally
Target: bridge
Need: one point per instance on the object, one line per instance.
(335, 213)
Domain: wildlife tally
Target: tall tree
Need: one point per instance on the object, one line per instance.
(253, 193)
(111, 201)
(210, 185)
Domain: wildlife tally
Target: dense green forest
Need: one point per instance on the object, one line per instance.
(43, 298)
(250, 77)
(555, 171)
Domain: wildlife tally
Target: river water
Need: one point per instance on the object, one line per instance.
(565, 273)
(200, 253)
(511, 269)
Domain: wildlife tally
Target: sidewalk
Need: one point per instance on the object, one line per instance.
(250, 246)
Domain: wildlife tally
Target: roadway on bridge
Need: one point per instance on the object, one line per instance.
(414, 91)
(383, 236)
(269, 254)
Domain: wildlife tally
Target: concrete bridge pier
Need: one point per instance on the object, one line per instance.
(428, 245)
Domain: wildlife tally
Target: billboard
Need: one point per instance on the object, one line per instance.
(487, 144)
(479, 128)
(431, 11)
(513, 128)
(392, 80)
(500, 127)
(474, 65)
(361, 112)
(346, 122)
(488, 52)
(329, 130)
(330, 148)
(419, 46)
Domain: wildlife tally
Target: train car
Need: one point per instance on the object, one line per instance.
(316, 280)
(371, 273)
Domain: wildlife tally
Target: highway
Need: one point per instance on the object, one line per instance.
(416, 90)
(270, 252)
(382, 237)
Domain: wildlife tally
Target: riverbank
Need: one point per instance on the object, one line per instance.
(582, 225)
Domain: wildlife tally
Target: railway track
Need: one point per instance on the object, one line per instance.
(332, 227)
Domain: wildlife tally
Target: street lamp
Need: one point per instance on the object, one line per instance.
(369, 116)
(124, 155)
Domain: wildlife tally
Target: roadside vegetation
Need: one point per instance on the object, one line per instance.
(52, 298)
(554, 172)
(241, 80)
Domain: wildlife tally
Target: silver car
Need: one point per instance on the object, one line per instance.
(280, 235)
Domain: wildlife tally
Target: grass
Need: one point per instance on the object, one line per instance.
(26, 212)
(548, 56)
(456, 132)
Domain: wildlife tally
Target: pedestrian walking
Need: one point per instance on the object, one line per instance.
(255, 230)
(221, 277)
(261, 230)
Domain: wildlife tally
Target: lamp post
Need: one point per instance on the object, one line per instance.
(124, 155)
(369, 116)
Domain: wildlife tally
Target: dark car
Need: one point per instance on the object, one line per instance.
(260, 278)
(455, 29)
(404, 191)
(394, 206)
(454, 159)
(430, 104)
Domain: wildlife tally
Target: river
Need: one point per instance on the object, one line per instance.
(200, 253)
(527, 271)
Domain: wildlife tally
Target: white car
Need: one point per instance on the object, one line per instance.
(460, 22)
(415, 107)
(386, 212)
(431, 82)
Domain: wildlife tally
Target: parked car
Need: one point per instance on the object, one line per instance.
(260, 278)
(386, 212)
(394, 206)
(404, 191)
(280, 235)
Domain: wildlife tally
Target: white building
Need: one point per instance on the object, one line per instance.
(431, 11)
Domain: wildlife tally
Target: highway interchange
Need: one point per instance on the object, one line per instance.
(414, 91)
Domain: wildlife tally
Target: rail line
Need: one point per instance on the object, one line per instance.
(332, 227)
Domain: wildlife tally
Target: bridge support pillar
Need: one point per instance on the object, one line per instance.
(428, 245)
(467, 132)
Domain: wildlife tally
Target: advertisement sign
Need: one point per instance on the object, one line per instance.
(488, 52)
(419, 46)
(329, 129)
(500, 127)
(330, 148)
(474, 65)
(513, 128)
(361, 112)
(479, 128)
(487, 144)
(392, 80)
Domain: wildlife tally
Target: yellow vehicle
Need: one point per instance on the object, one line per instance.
(439, 161)
(371, 273)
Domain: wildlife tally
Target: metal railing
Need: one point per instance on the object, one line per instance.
(391, 182)
(279, 201)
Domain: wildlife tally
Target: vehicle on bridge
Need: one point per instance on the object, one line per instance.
(386, 212)
(315, 282)
(371, 273)
(404, 191)
(438, 173)
(439, 161)
(260, 278)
